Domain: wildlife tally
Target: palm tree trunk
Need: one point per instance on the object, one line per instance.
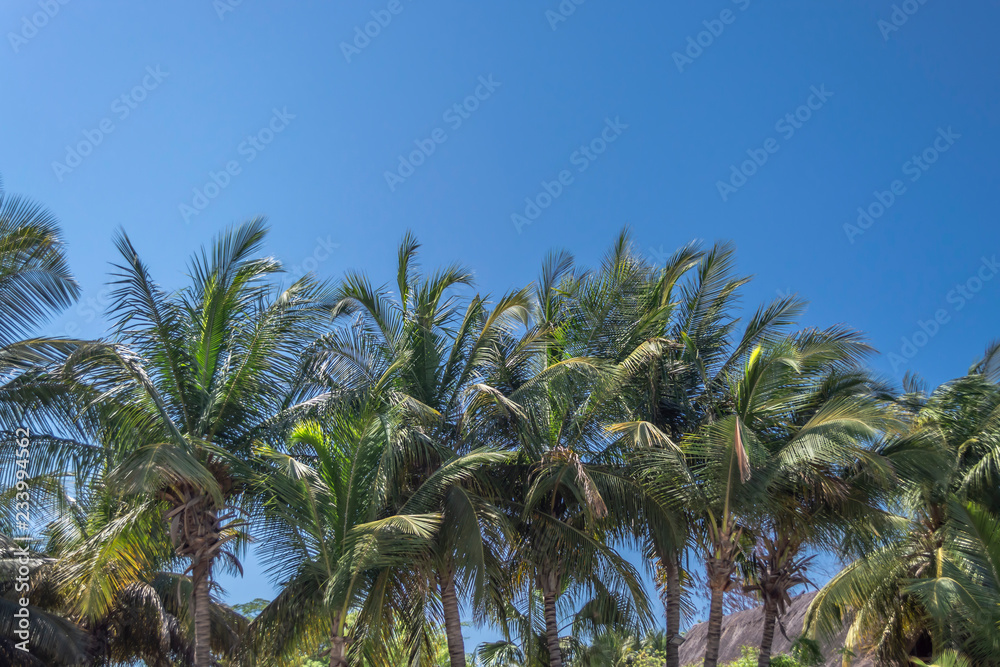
(770, 616)
(338, 645)
(548, 586)
(672, 566)
(719, 566)
(201, 572)
(452, 619)
(714, 635)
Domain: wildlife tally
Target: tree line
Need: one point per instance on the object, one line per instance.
(410, 457)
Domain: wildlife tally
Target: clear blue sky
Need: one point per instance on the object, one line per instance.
(199, 79)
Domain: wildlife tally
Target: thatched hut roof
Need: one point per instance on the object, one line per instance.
(745, 629)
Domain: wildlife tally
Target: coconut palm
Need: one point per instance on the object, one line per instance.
(573, 495)
(963, 600)
(644, 305)
(402, 454)
(35, 284)
(186, 385)
(680, 400)
(661, 414)
(35, 280)
(713, 470)
(716, 472)
(95, 542)
(948, 455)
(795, 423)
(52, 638)
(823, 483)
(428, 357)
(112, 555)
(326, 541)
(692, 392)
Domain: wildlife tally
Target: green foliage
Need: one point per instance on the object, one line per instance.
(252, 608)
(807, 651)
(425, 452)
(647, 658)
(947, 658)
(748, 658)
(310, 662)
(937, 572)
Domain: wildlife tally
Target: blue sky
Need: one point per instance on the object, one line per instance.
(289, 110)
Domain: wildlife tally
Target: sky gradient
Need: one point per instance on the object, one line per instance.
(847, 148)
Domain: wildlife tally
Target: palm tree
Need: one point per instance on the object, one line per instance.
(823, 485)
(326, 541)
(658, 419)
(111, 555)
(428, 359)
(786, 439)
(189, 381)
(35, 281)
(52, 638)
(570, 488)
(35, 284)
(963, 600)
(691, 393)
(711, 471)
(401, 454)
(947, 455)
(93, 545)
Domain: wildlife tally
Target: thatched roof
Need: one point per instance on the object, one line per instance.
(745, 629)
